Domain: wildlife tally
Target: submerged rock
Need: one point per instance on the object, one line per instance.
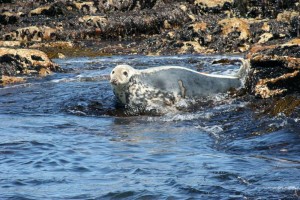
(288, 106)
(6, 80)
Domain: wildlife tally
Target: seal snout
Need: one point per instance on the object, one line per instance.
(114, 81)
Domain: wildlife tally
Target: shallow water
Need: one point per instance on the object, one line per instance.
(62, 138)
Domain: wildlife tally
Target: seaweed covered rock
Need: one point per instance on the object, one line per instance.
(9, 17)
(31, 33)
(275, 69)
(21, 62)
(235, 35)
(214, 6)
(52, 10)
(263, 9)
(151, 27)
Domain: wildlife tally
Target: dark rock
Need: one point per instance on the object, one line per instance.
(288, 105)
(5, 1)
(55, 9)
(9, 18)
(15, 62)
(295, 26)
(263, 9)
(275, 69)
(213, 6)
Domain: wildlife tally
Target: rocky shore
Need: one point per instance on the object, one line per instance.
(266, 32)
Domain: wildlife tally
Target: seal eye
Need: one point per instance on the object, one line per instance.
(125, 73)
(113, 72)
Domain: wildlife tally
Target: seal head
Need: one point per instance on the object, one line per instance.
(120, 78)
(121, 75)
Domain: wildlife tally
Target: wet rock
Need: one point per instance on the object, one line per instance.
(16, 62)
(235, 25)
(236, 33)
(9, 18)
(7, 80)
(288, 106)
(56, 44)
(98, 22)
(263, 9)
(60, 55)
(39, 11)
(32, 33)
(127, 5)
(287, 16)
(68, 49)
(87, 7)
(275, 69)
(151, 27)
(55, 9)
(10, 43)
(295, 26)
(213, 6)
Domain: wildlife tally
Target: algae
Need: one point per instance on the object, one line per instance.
(55, 52)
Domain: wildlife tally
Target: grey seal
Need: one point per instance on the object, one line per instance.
(166, 85)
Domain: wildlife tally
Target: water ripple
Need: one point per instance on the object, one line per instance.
(63, 137)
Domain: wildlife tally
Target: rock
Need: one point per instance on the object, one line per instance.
(287, 16)
(231, 35)
(212, 3)
(275, 69)
(215, 6)
(199, 26)
(10, 43)
(87, 7)
(9, 18)
(288, 106)
(265, 37)
(94, 21)
(7, 80)
(56, 44)
(191, 47)
(241, 26)
(15, 62)
(60, 55)
(283, 105)
(152, 26)
(295, 27)
(263, 9)
(39, 11)
(55, 9)
(45, 72)
(32, 33)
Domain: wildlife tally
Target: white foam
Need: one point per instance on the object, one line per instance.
(63, 80)
(279, 124)
(171, 117)
(214, 130)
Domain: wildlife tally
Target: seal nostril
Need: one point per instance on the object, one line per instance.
(113, 81)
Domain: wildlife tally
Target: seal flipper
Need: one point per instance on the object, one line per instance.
(244, 69)
(182, 88)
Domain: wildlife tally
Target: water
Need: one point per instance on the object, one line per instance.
(63, 138)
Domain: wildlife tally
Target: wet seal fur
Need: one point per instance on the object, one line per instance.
(167, 85)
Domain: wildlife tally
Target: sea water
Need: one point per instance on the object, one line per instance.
(62, 137)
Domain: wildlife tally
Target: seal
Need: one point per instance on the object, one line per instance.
(166, 85)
